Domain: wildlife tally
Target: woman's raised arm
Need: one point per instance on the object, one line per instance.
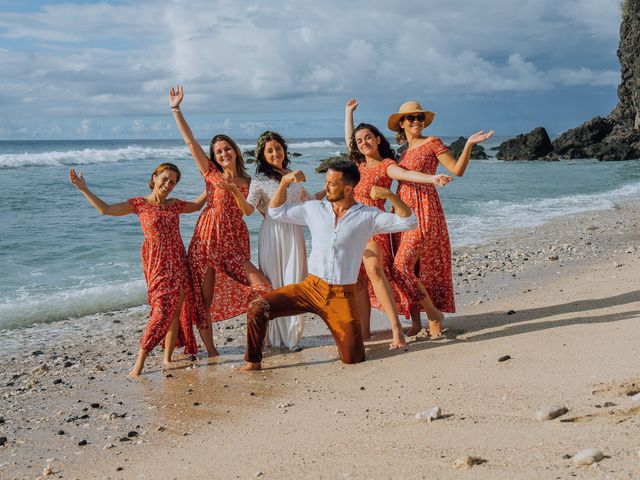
(115, 210)
(400, 174)
(349, 108)
(176, 95)
(457, 167)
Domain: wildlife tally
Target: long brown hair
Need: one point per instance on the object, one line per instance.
(262, 166)
(384, 149)
(161, 168)
(242, 171)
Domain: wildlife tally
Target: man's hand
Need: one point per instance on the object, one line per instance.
(380, 193)
(296, 176)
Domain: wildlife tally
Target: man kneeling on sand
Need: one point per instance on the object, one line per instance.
(340, 229)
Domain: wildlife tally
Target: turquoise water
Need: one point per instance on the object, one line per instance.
(60, 259)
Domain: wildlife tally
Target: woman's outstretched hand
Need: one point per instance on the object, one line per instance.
(175, 96)
(479, 137)
(351, 105)
(441, 179)
(77, 179)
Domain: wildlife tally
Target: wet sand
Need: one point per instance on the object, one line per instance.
(562, 300)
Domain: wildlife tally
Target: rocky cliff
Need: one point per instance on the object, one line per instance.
(616, 136)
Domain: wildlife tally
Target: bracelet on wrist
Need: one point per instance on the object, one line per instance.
(175, 109)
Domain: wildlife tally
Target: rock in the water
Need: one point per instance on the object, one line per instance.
(477, 152)
(534, 145)
(429, 415)
(577, 142)
(588, 456)
(550, 412)
(324, 163)
(467, 462)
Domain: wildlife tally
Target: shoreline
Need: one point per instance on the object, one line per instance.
(578, 276)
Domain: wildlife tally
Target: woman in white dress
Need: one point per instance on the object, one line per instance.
(282, 255)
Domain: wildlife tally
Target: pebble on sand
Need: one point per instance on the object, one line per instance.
(429, 415)
(467, 462)
(636, 397)
(587, 456)
(504, 358)
(47, 471)
(549, 412)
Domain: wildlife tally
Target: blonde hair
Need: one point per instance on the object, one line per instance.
(161, 168)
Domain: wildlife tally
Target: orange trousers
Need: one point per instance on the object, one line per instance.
(335, 304)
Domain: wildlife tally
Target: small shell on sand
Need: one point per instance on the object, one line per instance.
(429, 415)
(588, 456)
(549, 412)
(467, 462)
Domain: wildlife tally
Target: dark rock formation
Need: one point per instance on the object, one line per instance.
(324, 163)
(534, 145)
(616, 137)
(477, 152)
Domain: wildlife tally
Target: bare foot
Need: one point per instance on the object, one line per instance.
(250, 367)
(213, 353)
(413, 330)
(133, 375)
(167, 364)
(366, 336)
(398, 340)
(435, 326)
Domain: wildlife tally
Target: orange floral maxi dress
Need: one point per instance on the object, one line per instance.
(405, 291)
(426, 251)
(221, 241)
(166, 271)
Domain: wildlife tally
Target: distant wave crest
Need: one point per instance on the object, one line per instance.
(89, 156)
(501, 216)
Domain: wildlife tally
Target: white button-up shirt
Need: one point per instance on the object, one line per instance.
(337, 248)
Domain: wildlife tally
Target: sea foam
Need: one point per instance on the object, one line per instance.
(28, 308)
(89, 156)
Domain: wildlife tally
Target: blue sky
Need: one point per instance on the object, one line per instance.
(85, 70)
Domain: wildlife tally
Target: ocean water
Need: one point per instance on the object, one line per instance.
(59, 258)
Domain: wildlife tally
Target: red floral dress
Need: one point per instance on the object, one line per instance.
(405, 291)
(166, 272)
(426, 251)
(221, 241)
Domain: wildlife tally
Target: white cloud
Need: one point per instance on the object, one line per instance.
(108, 60)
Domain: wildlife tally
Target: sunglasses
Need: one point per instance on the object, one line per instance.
(412, 118)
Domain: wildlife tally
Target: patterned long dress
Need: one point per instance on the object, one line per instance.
(426, 251)
(221, 241)
(282, 255)
(405, 291)
(166, 272)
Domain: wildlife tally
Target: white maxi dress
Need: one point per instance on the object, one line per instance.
(282, 254)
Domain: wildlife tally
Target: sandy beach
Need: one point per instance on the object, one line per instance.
(562, 301)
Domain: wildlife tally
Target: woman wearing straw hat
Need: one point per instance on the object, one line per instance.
(380, 284)
(427, 247)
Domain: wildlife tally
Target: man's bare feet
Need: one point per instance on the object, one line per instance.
(133, 375)
(250, 367)
(213, 353)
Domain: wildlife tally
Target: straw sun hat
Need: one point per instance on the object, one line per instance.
(405, 109)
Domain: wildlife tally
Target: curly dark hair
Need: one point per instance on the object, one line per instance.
(264, 167)
(242, 171)
(384, 148)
